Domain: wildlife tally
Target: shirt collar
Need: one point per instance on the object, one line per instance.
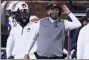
(52, 20)
(21, 26)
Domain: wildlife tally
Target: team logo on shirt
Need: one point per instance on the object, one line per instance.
(28, 30)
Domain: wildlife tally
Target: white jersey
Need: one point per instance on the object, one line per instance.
(83, 43)
(17, 40)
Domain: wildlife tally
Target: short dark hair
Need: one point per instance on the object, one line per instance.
(54, 5)
(84, 18)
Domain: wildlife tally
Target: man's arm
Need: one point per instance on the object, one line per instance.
(75, 22)
(10, 44)
(72, 25)
(29, 46)
(32, 39)
(80, 45)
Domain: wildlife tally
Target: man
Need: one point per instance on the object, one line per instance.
(19, 34)
(83, 41)
(50, 33)
(84, 21)
(11, 21)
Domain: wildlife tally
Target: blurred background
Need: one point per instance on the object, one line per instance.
(38, 8)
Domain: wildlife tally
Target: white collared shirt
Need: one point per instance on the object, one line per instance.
(83, 43)
(68, 25)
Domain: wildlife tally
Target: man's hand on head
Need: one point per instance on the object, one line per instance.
(65, 9)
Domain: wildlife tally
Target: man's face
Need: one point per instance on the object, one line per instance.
(53, 13)
(22, 16)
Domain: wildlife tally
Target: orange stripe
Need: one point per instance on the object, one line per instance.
(35, 20)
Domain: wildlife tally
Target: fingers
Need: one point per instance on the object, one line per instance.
(64, 6)
(65, 9)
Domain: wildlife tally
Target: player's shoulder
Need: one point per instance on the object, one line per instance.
(45, 18)
(31, 26)
(15, 27)
(85, 29)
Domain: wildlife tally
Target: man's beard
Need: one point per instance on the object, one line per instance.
(24, 22)
(54, 15)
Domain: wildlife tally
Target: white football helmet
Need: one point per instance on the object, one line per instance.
(9, 7)
(20, 5)
(21, 12)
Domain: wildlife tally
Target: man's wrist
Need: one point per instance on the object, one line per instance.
(68, 12)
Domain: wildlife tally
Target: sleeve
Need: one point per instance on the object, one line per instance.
(80, 45)
(10, 44)
(72, 25)
(32, 39)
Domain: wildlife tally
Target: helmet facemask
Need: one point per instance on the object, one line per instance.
(22, 16)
